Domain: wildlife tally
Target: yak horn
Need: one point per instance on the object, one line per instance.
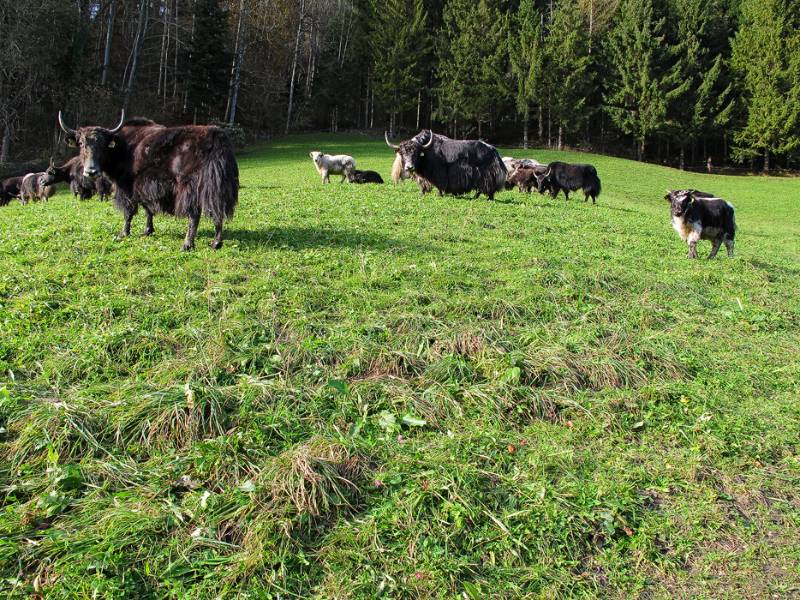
(121, 121)
(388, 143)
(66, 129)
(430, 141)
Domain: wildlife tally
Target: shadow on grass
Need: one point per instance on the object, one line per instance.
(298, 238)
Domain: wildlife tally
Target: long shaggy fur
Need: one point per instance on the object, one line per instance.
(455, 166)
(184, 171)
(568, 178)
(9, 189)
(400, 174)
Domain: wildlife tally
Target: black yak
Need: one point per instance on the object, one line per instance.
(365, 177)
(9, 189)
(562, 176)
(452, 166)
(186, 171)
(72, 173)
(702, 216)
(103, 187)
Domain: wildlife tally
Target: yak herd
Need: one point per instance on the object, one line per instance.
(191, 171)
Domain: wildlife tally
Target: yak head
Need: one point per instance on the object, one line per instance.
(679, 200)
(412, 150)
(95, 144)
(50, 174)
(316, 157)
(542, 175)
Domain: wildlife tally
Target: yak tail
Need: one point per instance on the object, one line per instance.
(397, 169)
(494, 176)
(218, 179)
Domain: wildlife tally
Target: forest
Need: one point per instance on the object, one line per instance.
(675, 82)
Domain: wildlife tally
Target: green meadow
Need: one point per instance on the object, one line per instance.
(368, 393)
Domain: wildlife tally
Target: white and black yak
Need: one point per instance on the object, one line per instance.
(187, 171)
(452, 166)
(702, 216)
(34, 187)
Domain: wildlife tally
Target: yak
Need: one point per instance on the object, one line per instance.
(365, 177)
(452, 166)
(702, 216)
(72, 173)
(337, 164)
(562, 176)
(9, 189)
(103, 187)
(186, 171)
(399, 174)
(34, 187)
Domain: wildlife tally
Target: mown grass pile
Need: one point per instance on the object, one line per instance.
(366, 393)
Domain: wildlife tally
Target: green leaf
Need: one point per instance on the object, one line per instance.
(387, 421)
(472, 591)
(413, 421)
(339, 385)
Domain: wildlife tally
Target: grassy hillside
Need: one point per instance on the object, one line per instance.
(368, 393)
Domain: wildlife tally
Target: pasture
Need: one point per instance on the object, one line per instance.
(368, 393)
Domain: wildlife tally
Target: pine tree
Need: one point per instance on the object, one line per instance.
(526, 54)
(400, 44)
(209, 61)
(641, 84)
(567, 68)
(473, 61)
(703, 104)
(766, 56)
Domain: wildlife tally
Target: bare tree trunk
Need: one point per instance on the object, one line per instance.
(766, 161)
(5, 146)
(294, 64)
(137, 48)
(177, 49)
(683, 158)
(419, 107)
(238, 56)
(549, 128)
(107, 51)
(526, 118)
(560, 137)
(541, 123)
(162, 57)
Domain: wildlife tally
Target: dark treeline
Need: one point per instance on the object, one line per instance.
(673, 81)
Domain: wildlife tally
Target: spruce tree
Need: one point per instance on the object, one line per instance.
(209, 62)
(567, 68)
(703, 104)
(766, 56)
(399, 44)
(641, 83)
(526, 54)
(473, 61)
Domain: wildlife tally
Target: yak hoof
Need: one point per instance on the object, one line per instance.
(216, 244)
(148, 232)
(187, 247)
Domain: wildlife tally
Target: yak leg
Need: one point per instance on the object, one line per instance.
(692, 240)
(148, 228)
(194, 220)
(715, 248)
(130, 212)
(729, 247)
(216, 243)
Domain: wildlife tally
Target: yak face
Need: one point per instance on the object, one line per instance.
(542, 179)
(316, 157)
(95, 145)
(679, 200)
(412, 151)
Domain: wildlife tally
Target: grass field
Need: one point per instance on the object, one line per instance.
(368, 394)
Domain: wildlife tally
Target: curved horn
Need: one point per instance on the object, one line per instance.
(66, 129)
(388, 143)
(430, 141)
(121, 121)
(52, 162)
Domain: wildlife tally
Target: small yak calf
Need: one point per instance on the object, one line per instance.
(702, 216)
(339, 164)
(365, 177)
(34, 188)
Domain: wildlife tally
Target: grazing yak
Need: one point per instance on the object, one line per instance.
(186, 171)
(72, 172)
(34, 187)
(338, 164)
(365, 177)
(452, 166)
(564, 177)
(9, 189)
(702, 216)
